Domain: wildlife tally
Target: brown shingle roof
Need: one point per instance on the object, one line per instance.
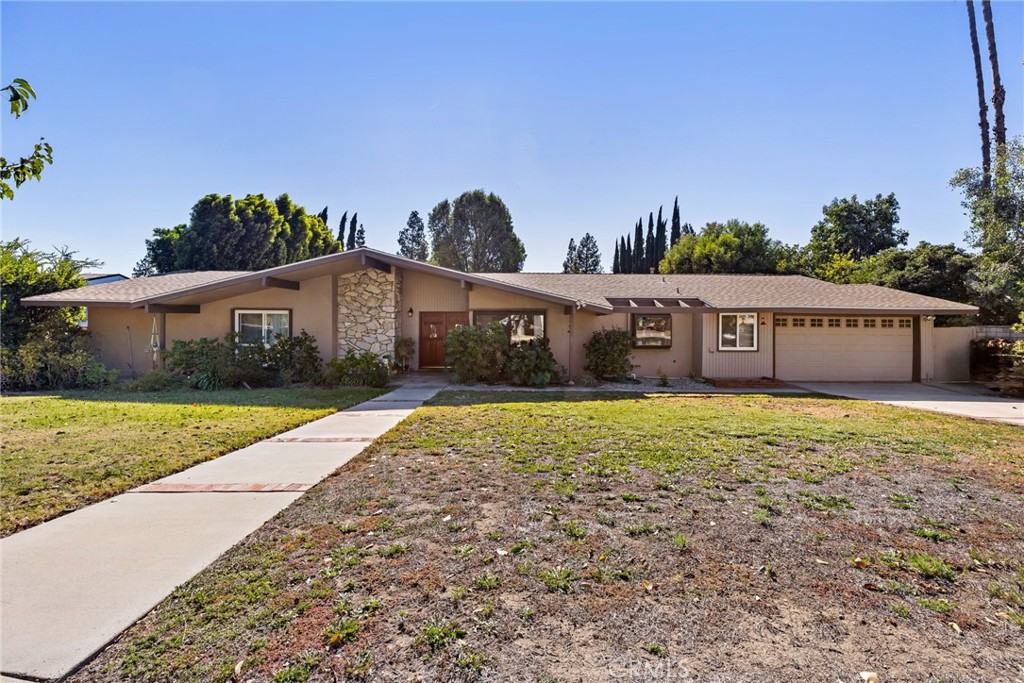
(776, 292)
(126, 292)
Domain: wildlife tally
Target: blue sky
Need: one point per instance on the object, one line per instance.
(583, 117)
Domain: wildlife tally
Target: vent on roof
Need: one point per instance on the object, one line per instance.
(641, 302)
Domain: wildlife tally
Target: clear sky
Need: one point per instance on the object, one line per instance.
(582, 117)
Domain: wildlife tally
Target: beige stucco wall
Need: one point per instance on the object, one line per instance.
(675, 361)
(952, 354)
(311, 311)
(738, 364)
(111, 330)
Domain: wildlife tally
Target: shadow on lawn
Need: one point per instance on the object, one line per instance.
(280, 397)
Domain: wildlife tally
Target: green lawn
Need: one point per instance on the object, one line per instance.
(60, 452)
(595, 537)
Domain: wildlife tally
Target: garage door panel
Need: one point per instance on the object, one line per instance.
(843, 354)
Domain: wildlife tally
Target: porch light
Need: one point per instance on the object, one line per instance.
(409, 312)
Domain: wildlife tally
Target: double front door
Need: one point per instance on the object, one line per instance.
(434, 327)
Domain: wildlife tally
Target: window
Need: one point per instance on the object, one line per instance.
(851, 322)
(904, 323)
(833, 322)
(780, 322)
(652, 331)
(798, 322)
(737, 331)
(886, 322)
(262, 327)
(869, 322)
(816, 322)
(521, 325)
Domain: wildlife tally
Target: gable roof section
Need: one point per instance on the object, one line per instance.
(601, 293)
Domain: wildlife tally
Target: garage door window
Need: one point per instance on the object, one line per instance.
(833, 322)
(737, 332)
(904, 323)
(869, 322)
(886, 322)
(851, 322)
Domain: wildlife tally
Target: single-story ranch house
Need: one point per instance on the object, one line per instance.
(788, 327)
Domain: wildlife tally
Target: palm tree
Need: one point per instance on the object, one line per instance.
(998, 93)
(986, 159)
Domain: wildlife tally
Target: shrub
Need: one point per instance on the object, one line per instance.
(55, 357)
(609, 353)
(477, 354)
(297, 359)
(202, 363)
(365, 369)
(404, 350)
(531, 363)
(154, 380)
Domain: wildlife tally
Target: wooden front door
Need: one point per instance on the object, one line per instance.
(434, 327)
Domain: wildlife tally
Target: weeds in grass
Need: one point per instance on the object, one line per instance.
(340, 632)
(1010, 596)
(487, 582)
(812, 501)
(903, 501)
(901, 610)
(493, 535)
(566, 488)
(487, 609)
(520, 547)
(657, 649)
(471, 661)
(359, 665)
(641, 530)
(1015, 618)
(633, 498)
(300, 670)
(761, 516)
(681, 541)
(456, 593)
(933, 535)
(394, 550)
(348, 528)
(436, 633)
(939, 605)
(462, 550)
(558, 579)
(604, 519)
(575, 530)
(924, 564)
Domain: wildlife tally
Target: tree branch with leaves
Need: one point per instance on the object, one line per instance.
(19, 92)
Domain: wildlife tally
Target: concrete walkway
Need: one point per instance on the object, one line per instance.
(927, 397)
(71, 585)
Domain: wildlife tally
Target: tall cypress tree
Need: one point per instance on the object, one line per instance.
(660, 240)
(360, 237)
(350, 243)
(677, 226)
(639, 256)
(650, 250)
(615, 260)
(341, 228)
(627, 257)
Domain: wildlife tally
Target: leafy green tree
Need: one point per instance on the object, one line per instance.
(412, 240)
(475, 234)
(571, 262)
(27, 272)
(732, 247)
(251, 233)
(858, 228)
(939, 270)
(19, 92)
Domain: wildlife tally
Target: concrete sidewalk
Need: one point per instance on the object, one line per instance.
(927, 397)
(71, 585)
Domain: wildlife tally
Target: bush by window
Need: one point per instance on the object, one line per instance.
(365, 369)
(609, 353)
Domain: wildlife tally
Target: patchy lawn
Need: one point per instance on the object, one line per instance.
(592, 537)
(60, 452)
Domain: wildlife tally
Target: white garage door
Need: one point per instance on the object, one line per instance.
(845, 349)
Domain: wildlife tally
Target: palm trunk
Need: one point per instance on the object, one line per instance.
(986, 158)
(998, 93)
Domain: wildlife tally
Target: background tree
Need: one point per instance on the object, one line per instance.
(342, 227)
(639, 254)
(998, 92)
(475, 234)
(660, 240)
(616, 265)
(677, 227)
(731, 247)
(412, 240)
(571, 262)
(19, 92)
(251, 233)
(650, 250)
(627, 257)
(360, 237)
(350, 242)
(979, 77)
(588, 256)
(858, 228)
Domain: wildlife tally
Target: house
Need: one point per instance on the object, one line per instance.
(788, 327)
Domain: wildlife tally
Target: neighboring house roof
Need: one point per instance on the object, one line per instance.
(602, 293)
(91, 278)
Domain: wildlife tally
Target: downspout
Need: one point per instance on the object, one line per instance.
(572, 336)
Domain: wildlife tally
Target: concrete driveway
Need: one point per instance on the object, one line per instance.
(926, 397)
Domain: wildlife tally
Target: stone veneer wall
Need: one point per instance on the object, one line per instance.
(368, 306)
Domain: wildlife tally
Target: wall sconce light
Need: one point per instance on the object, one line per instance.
(410, 312)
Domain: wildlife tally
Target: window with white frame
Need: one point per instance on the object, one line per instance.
(737, 332)
(262, 326)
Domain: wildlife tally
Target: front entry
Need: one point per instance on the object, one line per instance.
(434, 327)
